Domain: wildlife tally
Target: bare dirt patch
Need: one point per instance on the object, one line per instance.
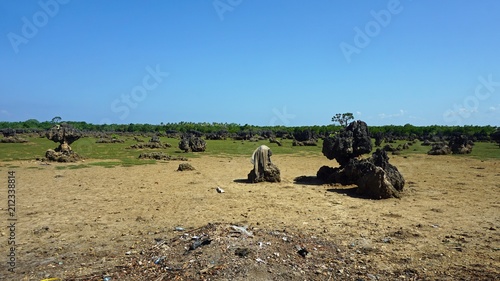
(89, 223)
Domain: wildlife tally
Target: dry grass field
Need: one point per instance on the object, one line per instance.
(97, 222)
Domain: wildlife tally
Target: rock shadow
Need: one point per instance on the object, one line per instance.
(349, 191)
(308, 180)
(242, 181)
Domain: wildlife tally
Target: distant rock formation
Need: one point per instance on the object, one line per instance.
(194, 144)
(460, 144)
(439, 149)
(65, 135)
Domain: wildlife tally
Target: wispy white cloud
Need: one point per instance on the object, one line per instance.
(4, 112)
(399, 114)
(494, 108)
(462, 111)
(413, 117)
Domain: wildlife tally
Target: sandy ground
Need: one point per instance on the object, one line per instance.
(77, 222)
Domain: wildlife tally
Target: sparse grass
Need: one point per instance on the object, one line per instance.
(232, 147)
(118, 154)
(484, 151)
(35, 168)
(36, 147)
(78, 166)
(88, 149)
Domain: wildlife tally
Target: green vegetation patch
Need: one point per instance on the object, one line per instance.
(33, 149)
(110, 155)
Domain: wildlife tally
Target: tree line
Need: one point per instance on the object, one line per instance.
(395, 131)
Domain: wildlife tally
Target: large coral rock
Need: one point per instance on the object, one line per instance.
(59, 156)
(380, 159)
(460, 144)
(375, 184)
(263, 169)
(439, 149)
(65, 135)
(270, 174)
(375, 177)
(9, 132)
(194, 144)
(14, 139)
(351, 142)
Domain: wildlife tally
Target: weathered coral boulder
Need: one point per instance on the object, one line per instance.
(375, 177)
(185, 167)
(375, 184)
(349, 143)
(220, 135)
(194, 144)
(380, 159)
(274, 140)
(62, 156)
(264, 169)
(8, 132)
(197, 144)
(311, 142)
(109, 140)
(151, 145)
(137, 139)
(160, 156)
(305, 135)
(184, 145)
(324, 173)
(460, 144)
(155, 138)
(426, 143)
(379, 137)
(439, 149)
(14, 139)
(270, 174)
(388, 147)
(65, 135)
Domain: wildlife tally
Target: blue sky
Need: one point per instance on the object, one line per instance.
(259, 62)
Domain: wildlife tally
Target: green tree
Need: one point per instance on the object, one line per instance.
(31, 124)
(56, 120)
(343, 119)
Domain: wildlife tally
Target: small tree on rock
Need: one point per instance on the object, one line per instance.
(56, 120)
(343, 119)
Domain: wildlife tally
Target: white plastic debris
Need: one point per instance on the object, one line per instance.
(219, 190)
(242, 230)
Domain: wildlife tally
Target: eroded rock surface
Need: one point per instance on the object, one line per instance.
(375, 177)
